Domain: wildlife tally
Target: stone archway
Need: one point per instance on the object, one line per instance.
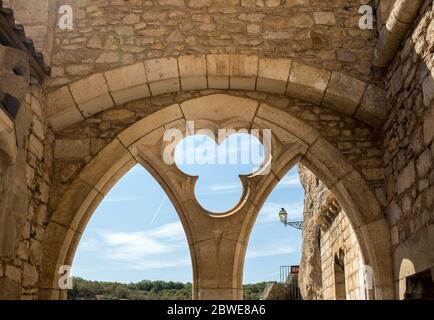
(338, 91)
(217, 244)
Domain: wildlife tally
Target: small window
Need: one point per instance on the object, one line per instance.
(339, 273)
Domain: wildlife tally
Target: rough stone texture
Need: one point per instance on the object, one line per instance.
(39, 21)
(24, 193)
(310, 280)
(13, 88)
(24, 181)
(341, 236)
(277, 291)
(409, 150)
(109, 34)
(320, 245)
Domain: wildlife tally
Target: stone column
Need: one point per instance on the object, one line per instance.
(218, 249)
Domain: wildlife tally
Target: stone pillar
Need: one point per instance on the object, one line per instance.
(218, 250)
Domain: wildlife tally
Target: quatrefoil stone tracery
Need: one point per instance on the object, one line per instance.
(212, 174)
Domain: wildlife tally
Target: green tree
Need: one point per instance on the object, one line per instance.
(144, 290)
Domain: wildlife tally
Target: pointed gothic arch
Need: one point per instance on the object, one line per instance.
(217, 244)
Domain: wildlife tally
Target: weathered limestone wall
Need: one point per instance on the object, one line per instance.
(323, 239)
(109, 34)
(341, 236)
(39, 18)
(24, 193)
(310, 277)
(409, 151)
(275, 291)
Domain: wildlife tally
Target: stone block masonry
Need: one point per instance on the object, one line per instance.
(109, 34)
(24, 197)
(326, 233)
(409, 151)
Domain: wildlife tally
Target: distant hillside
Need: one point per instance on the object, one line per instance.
(144, 290)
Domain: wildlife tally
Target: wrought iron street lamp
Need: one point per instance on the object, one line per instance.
(283, 216)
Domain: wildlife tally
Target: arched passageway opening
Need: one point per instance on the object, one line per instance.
(218, 242)
(319, 256)
(133, 245)
(274, 251)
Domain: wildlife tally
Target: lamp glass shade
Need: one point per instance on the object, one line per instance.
(283, 215)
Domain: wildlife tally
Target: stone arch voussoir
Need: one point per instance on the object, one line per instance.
(76, 101)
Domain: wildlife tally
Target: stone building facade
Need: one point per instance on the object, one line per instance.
(409, 151)
(332, 266)
(352, 105)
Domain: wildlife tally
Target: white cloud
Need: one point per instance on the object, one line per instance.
(171, 231)
(162, 247)
(289, 182)
(89, 245)
(269, 250)
(221, 189)
(159, 263)
(124, 245)
(270, 211)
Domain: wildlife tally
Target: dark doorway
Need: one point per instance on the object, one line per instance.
(420, 286)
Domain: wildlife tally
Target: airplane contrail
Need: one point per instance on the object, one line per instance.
(158, 209)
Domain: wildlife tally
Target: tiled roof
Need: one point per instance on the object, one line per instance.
(13, 35)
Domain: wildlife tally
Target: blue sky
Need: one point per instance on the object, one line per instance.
(135, 233)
